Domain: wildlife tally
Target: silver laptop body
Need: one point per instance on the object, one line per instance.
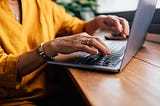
(141, 22)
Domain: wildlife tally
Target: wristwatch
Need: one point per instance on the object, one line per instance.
(42, 53)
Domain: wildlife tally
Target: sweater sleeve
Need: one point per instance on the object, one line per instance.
(8, 70)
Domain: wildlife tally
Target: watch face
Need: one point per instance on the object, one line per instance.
(40, 50)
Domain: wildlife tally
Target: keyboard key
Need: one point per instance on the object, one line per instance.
(111, 60)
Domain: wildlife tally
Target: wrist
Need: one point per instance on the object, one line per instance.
(50, 49)
(42, 51)
(88, 28)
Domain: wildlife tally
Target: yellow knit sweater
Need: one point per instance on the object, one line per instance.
(42, 20)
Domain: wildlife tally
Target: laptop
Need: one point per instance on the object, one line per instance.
(122, 51)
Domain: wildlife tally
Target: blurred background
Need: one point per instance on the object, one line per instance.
(87, 9)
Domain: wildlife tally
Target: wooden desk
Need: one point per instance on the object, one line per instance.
(137, 85)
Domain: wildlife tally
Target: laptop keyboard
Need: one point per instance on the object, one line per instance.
(104, 60)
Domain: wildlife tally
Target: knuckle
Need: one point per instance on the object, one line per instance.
(97, 38)
(85, 46)
(123, 20)
(83, 34)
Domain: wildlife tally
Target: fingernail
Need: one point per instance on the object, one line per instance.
(108, 52)
(124, 35)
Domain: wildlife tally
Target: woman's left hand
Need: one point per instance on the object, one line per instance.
(108, 23)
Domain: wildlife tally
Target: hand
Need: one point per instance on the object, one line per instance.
(78, 42)
(110, 23)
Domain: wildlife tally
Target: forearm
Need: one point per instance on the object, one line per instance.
(30, 61)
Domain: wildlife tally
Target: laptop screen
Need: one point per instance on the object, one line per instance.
(141, 22)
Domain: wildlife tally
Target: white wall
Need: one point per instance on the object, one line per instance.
(118, 5)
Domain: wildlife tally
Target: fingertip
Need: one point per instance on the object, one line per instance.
(94, 52)
(119, 28)
(107, 52)
(126, 32)
(124, 35)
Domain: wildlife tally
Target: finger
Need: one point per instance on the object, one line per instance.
(95, 43)
(88, 49)
(113, 23)
(100, 41)
(125, 27)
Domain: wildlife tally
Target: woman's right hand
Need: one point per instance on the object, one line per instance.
(74, 43)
